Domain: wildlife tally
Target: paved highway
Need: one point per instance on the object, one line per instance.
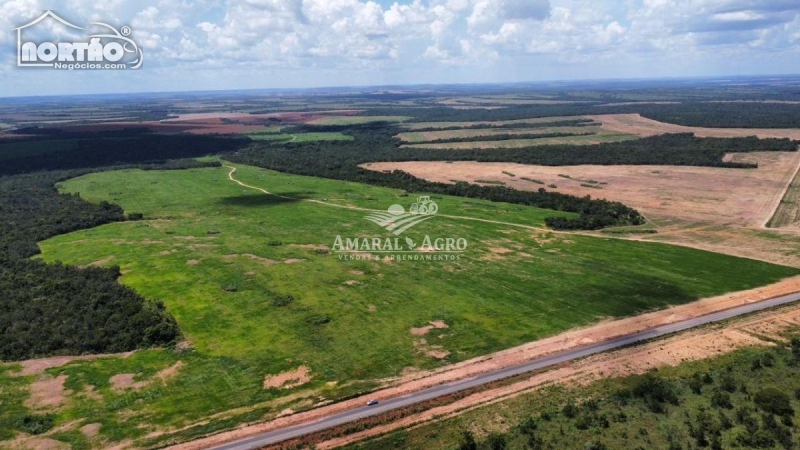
(334, 420)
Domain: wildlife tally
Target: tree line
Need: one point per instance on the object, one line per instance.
(52, 309)
(341, 162)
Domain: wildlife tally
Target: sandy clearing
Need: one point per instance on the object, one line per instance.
(640, 126)
(123, 381)
(91, 430)
(414, 380)
(288, 380)
(170, 372)
(48, 393)
(25, 442)
(37, 366)
(264, 261)
(688, 346)
(433, 325)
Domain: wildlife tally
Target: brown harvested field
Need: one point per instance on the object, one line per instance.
(421, 125)
(415, 380)
(695, 194)
(640, 126)
(427, 136)
(716, 209)
(757, 330)
(503, 100)
(589, 139)
(787, 214)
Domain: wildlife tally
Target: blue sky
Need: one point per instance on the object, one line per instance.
(218, 44)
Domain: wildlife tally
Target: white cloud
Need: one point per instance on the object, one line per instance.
(332, 41)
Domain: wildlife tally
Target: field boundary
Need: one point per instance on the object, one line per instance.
(794, 180)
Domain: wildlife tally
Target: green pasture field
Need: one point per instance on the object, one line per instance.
(246, 278)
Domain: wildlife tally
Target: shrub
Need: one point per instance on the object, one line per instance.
(774, 401)
(36, 424)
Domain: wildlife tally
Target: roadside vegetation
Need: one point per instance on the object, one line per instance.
(747, 399)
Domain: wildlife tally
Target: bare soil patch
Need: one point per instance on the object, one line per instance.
(91, 430)
(25, 442)
(640, 126)
(434, 325)
(48, 392)
(37, 366)
(288, 380)
(264, 261)
(193, 262)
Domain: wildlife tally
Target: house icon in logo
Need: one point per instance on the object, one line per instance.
(107, 48)
(21, 47)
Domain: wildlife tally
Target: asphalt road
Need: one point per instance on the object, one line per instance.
(283, 434)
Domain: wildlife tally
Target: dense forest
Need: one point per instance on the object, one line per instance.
(50, 309)
(116, 148)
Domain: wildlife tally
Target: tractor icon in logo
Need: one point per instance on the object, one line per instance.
(397, 220)
(424, 206)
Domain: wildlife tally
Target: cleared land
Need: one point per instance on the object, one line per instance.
(682, 202)
(417, 137)
(590, 139)
(422, 125)
(257, 295)
(787, 214)
(640, 126)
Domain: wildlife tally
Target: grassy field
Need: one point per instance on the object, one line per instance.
(788, 211)
(243, 275)
(11, 150)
